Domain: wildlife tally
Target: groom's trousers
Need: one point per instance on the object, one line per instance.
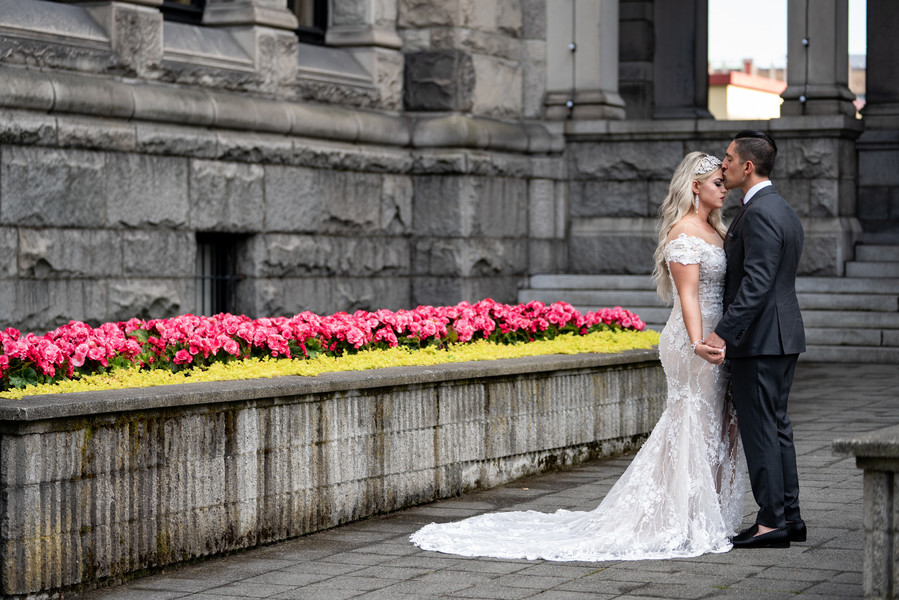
(761, 388)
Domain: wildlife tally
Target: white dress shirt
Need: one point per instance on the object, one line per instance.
(754, 189)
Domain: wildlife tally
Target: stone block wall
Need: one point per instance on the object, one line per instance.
(619, 175)
(330, 209)
(480, 56)
(96, 487)
(407, 161)
(878, 183)
(125, 136)
(100, 235)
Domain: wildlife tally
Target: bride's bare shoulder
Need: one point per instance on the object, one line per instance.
(684, 227)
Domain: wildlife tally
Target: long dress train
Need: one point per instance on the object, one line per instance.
(682, 494)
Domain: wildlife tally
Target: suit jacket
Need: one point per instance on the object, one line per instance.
(761, 312)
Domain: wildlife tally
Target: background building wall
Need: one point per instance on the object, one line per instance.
(419, 156)
(736, 96)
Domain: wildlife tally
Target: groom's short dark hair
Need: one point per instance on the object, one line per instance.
(759, 147)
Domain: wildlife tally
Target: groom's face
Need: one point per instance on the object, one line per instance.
(732, 168)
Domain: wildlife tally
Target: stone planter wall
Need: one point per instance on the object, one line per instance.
(94, 487)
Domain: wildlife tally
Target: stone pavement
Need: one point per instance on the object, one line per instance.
(372, 559)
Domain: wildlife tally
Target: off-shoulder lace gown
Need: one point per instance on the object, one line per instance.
(682, 494)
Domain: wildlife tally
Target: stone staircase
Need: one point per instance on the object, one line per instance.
(847, 319)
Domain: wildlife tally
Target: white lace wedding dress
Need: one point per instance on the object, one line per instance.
(682, 494)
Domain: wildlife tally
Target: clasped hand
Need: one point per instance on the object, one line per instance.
(712, 349)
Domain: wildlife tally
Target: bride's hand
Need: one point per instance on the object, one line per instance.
(712, 355)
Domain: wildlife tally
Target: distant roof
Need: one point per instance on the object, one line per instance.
(744, 80)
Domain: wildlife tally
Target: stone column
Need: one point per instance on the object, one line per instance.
(363, 23)
(582, 60)
(878, 146)
(266, 30)
(134, 28)
(680, 60)
(636, 47)
(882, 66)
(269, 13)
(369, 30)
(817, 59)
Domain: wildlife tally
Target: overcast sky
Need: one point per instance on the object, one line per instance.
(758, 30)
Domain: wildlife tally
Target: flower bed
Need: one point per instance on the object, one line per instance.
(188, 341)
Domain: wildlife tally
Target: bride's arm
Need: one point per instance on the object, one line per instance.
(686, 280)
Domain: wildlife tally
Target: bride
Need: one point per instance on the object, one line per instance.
(682, 494)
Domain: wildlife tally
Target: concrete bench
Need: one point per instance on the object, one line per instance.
(877, 453)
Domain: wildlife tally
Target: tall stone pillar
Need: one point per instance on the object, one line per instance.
(636, 47)
(817, 59)
(680, 61)
(878, 146)
(134, 28)
(582, 60)
(368, 29)
(882, 67)
(266, 30)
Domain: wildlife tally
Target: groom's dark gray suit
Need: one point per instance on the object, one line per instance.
(763, 329)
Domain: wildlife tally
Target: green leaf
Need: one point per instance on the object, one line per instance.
(23, 378)
(141, 335)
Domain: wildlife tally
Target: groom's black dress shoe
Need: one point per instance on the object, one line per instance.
(745, 534)
(779, 538)
(797, 530)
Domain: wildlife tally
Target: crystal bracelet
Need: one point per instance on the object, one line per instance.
(694, 344)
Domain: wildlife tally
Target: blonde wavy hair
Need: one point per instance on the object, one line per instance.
(677, 205)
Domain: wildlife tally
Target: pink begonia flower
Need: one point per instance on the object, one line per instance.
(133, 325)
(385, 334)
(132, 348)
(73, 344)
(231, 347)
(15, 348)
(230, 325)
(80, 355)
(356, 337)
(278, 345)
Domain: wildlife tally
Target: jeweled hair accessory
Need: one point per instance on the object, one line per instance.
(708, 163)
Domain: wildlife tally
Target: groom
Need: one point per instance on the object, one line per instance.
(763, 331)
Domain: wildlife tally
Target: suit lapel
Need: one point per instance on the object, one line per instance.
(735, 224)
(734, 228)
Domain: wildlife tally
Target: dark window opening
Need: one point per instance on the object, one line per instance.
(217, 276)
(183, 11)
(313, 18)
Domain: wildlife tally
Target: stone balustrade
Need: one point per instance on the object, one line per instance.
(877, 453)
(98, 486)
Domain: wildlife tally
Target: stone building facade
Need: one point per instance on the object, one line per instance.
(420, 152)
